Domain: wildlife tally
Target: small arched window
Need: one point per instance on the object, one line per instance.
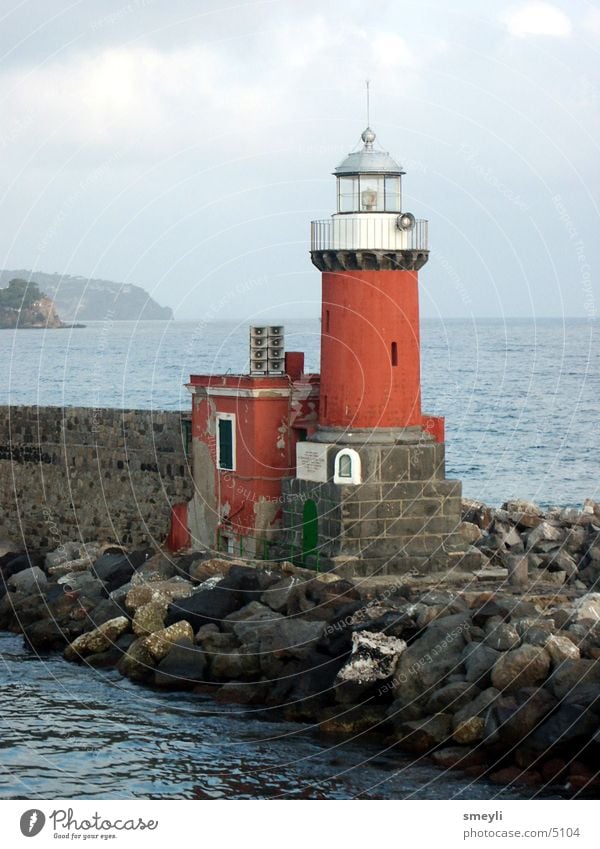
(347, 467)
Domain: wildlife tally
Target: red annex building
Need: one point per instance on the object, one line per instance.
(338, 470)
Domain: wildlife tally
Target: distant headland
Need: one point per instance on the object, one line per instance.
(24, 306)
(87, 299)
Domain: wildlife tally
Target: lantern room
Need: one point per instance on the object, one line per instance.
(369, 180)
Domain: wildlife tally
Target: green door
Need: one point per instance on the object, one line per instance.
(310, 530)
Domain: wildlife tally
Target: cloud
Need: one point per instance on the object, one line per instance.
(537, 19)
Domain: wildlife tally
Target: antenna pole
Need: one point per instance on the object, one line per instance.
(368, 83)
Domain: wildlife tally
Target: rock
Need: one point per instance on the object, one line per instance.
(240, 693)
(98, 640)
(476, 706)
(183, 667)
(12, 565)
(159, 643)
(31, 580)
(83, 583)
(81, 564)
(65, 552)
(491, 609)
(587, 608)
(47, 634)
(476, 512)
(282, 638)
(360, 719)
(570, 725)
(501, 636)
(479, 661)
(526, 666)
(149, 618)
(569, 675)
(248, 582)
(525, 514)
(469, 532)
(114, 570)
(544, 532)
(560, 561)
(137, 663)
(534, 630)
(374, 657)
(421, 735)
(561, 648)
(202, 570)
(202, 608)
(235, 665)
(425, 664)
(278, 594)
(512, 717)
(158, 591)
(518, 570)
(469, 730)
(451, 697)
(245, 623)
(159, 567)
(457, 757)
(105, 610)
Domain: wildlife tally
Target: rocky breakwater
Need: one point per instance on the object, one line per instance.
(498, 681)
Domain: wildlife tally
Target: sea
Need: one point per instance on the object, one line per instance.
(522, 404)
(521, 397)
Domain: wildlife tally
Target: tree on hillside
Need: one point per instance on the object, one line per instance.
(19, 294)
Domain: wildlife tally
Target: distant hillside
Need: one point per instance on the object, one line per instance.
(81, 299)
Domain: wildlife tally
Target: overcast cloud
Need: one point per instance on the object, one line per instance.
(185, 146)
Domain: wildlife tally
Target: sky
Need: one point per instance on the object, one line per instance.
(185, 146)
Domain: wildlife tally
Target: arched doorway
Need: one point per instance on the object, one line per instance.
(310, 530)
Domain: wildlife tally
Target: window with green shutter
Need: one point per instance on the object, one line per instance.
(225, 456)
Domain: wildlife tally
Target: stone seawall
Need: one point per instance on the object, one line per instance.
(87, 473)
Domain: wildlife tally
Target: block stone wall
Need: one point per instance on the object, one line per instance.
(90, 474)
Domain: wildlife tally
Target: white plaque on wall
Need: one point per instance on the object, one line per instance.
(311, 461)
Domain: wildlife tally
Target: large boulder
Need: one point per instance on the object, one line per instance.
(159, 567)
(561, 648)
(159, 644)
(183, 667)
(137, 663)
(205, 606)
(422, 735)
(246, 622)
(570, 675)
(31, 580)
(114, 570)
(500, 635)
(424, 665)
(568, 729)
(278, 595)
(587, 608)
(374, 658)
(513, 716)
(98, 640)
(451, 697)
(525, 666)
(149, 618)
(157, 591)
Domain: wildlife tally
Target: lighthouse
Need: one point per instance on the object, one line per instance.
(340, 470)
(370, 494)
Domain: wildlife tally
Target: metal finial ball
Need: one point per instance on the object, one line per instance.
(368, 136)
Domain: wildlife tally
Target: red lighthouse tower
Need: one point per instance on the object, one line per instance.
(370, 494)
(370, 254)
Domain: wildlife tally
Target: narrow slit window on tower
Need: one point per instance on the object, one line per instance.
(394, 353)
(326, 321)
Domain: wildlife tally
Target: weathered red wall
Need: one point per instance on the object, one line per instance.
(363, 313)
